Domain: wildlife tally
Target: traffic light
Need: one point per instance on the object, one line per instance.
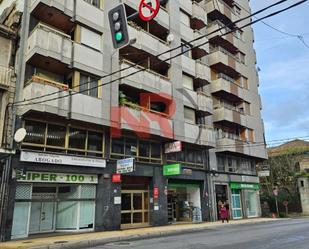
(119, 26)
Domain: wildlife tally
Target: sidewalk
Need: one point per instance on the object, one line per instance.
(76, 241)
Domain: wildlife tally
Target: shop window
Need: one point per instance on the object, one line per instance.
(251, 203)
(88, 85)
(56, 135)
(35, 132)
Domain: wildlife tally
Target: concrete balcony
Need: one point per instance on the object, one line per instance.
(149, 43)
(83, 107)
(144, 121)
(146, 80)
(202, 72)
(162, 18)
(228, 117)
(223, 61)
(202, 43)
(197, 69)
(5, 77)
(87, 59)
(220, 11)
(188, 65)
(186, 32)
(199, 16)
(198, 100)
(63, 11)
(226, 88)
(198, 134)
(48, 42)
(240, 147)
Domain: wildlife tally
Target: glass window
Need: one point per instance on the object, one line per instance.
(190, 156)
(130, 147)
(187, 82)
(252, 203)
(77, 139)
(155, 150)
(118, 146)
(95, 141)
(144, 149)
(35, 132)
(88, 85)
(56, 135)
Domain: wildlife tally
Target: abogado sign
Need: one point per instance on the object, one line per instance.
(37, 157)
(173, 147)
(125, 165)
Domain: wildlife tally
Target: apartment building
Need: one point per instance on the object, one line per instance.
(167, 118)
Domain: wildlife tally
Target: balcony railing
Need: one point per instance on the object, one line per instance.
(220, 49)
(5, 76)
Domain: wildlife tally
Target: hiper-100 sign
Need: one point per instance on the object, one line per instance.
(47, 177)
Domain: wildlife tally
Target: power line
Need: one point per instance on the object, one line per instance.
(298, 36)
(177, 55)
(157, 56)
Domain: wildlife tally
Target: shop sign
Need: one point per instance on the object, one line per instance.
(125, 165)
(173, 147)
(235, 185)
(37, 157)
(155, 192)
(116, 178)
(264, 173)
(172, 169)
(47, 177)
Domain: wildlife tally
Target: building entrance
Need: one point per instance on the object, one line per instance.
(221, 197)
(42, 214)
(134, 208)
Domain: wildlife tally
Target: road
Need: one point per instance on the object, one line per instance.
(285, 234)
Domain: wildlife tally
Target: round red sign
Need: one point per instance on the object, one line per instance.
(147, 11)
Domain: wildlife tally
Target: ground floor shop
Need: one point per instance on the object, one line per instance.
(241, 199)
(184, 201)
(49, 202)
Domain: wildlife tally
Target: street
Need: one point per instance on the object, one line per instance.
(284, 234)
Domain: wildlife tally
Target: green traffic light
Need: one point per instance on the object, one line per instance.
(118, 36)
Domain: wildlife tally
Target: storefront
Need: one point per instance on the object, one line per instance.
(183, 195)
(48, 202)
(245, 200)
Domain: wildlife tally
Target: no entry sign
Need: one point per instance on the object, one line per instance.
(149, 9)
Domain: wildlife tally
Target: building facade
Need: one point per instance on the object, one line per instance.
(178, 120)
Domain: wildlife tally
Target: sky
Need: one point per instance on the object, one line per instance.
(284, 70)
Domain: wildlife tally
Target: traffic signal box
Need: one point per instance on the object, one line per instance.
(119, 26)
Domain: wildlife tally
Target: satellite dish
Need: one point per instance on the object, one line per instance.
(20, 135)
(170, 38)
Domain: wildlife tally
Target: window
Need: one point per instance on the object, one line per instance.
(144, 151)
(302, 184)
(90, 38)
(220, 163)
(57, 138)
(188, 157)
(247, 108)
(187, 82)
(189, 115)
(232, 164)
(95, 3)
(186, 49)
(242, 57)
(35, 132)
(88, 85)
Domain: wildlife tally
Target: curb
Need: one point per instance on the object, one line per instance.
(102, 241)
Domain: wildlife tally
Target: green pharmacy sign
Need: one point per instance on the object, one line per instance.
(236, 185)
(172, 169)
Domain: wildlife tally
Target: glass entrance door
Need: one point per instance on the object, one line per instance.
(134, 208)
(42, 214)
(236, 204)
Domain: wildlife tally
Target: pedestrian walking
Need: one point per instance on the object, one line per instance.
(224, 214)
